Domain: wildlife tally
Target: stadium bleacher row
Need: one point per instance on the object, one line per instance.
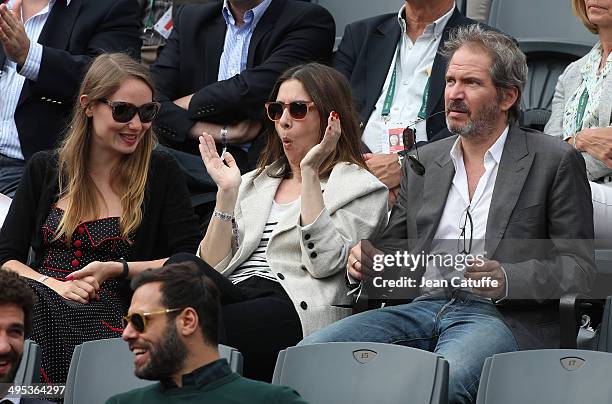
(349, 373)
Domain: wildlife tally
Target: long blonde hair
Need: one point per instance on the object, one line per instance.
(129, 176)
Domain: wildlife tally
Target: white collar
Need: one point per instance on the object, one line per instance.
(495, 151)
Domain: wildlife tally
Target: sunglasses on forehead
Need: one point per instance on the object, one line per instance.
(297, 109)
(124, 111)
(139, 319)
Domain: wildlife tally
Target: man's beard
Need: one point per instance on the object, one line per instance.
(165, 359)
(13, 358)
(478, 127)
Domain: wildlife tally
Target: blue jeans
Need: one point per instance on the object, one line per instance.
(465, 330)
(11, 171)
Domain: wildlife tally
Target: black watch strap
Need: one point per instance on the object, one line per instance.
(126, 270)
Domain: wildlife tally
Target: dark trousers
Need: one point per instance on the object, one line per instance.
(257, 318)
(11, 171)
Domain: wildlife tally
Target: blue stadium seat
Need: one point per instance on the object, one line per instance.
(363, 372)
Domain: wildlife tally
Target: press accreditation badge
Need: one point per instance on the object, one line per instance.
(392, 141)
(164, 25)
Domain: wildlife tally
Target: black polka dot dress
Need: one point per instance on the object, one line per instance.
(59, 324)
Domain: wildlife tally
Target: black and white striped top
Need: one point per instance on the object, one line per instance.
(257, 264)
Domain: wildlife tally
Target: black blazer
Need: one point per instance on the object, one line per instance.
(540, 226)
(365, 54)
(71, 37)
(289, 33)
(168, 225)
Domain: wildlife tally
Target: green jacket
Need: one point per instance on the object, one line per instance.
(230, 388)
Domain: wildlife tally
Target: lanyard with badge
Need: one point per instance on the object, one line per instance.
(148, 26)
(391, 134)
(584, 99)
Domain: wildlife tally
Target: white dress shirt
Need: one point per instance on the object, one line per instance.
(413, 71)
(457, 202)
(12, 81)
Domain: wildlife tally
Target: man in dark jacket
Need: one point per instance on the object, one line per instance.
(45, 50)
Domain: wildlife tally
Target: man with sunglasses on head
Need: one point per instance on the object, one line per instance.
(495, 223)
(171, 328)
(397, 78)
(45, 49)
(218, 68)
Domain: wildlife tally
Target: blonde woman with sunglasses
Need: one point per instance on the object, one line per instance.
(280, 236)
(96, 212)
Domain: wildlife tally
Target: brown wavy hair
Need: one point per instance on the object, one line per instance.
(129, 176)
(330, 91)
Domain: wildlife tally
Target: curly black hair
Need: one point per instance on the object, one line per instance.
(14, 290)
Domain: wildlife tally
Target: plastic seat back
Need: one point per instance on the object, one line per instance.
(356, 372)
(560, 376)
(103, 368)
(99, 370)
(542, 25)
(28, 371)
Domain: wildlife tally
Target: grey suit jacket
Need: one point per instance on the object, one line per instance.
(541, 193)
(311, 260)
(567, 84)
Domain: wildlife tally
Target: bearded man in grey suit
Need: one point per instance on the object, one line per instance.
(514, 205)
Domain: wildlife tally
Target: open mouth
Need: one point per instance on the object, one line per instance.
(5, 367)
(140, 356)
(128, 138)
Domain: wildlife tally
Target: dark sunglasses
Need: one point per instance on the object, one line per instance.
(297, 109)
(124, 111)
(139, 319)
(409, 138)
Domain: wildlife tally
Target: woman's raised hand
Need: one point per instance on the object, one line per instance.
(227, 177)
(315, 156)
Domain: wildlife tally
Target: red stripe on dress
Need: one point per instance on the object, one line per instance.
(44, 375)
(111, 327)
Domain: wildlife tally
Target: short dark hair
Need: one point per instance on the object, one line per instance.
(183, 285)
(14, 290)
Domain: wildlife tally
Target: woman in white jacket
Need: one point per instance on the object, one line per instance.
(280, 235)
